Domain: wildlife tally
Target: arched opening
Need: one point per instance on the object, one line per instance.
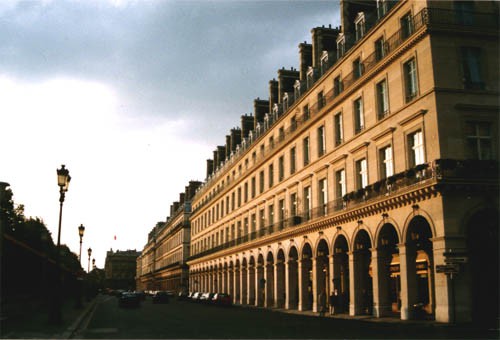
(389, 285)
(230, 279)
(363, 284)
(244, 281)
(419, 262)
(482, 248)
(341, 274)
(225, 288)
(251, 281)
(306, 288)
(322, 275)
(261, 281)
(280, 279)
(293, 279)
(237, 282)
(269, 280)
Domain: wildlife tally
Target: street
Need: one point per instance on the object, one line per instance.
(181, 319)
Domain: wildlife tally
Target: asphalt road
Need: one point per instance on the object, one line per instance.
(180, 319)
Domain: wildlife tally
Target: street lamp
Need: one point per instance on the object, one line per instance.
(81, 229)
(89, 251)
(63, 179)
(93, 264)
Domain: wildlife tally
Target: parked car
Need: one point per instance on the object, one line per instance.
(129, 299)
(183, 296)
(222, 299)
(141, 294)
(206, 297)
(196, 296)
(161, 297)
(170, 293)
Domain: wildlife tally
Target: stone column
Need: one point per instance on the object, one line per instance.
(315, 284)
(287, 285)
(379, 284)
(301, 282)
(353, 310)
(407, 273)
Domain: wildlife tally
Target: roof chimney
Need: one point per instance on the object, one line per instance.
(273, 94)
(305, 55)
(260, 108)
(246, 125)
(210, 167)
(323, 39)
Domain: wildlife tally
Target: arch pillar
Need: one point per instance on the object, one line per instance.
(315, 284)
(406, 266)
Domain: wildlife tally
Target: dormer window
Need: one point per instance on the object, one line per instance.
(296, 89)
(359, 22)
(286, 101)
(340, 45)
(381, 8)
(310, 77)
(324, 62)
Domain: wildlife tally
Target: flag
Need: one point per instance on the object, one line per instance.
(115, 237)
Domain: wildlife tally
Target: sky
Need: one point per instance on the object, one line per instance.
(133, 97)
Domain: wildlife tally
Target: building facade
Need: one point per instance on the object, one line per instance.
(370, 172)
(120, 268)
(162, 265)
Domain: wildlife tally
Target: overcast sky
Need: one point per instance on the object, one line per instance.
(132, 96)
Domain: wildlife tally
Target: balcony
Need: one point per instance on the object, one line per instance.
(440, 172)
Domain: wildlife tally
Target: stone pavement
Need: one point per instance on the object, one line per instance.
(33, 323)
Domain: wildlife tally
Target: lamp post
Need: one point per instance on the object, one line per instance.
(63, 179)
(89, 251)
(81, 229)
(93, 264)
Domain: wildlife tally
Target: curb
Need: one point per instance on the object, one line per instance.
(74, 326)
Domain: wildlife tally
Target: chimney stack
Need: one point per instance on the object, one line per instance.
(260, 108)
(210, 167)
(273, 94)
(246, 125)
(228, 146)
(305, 55)
(323, 39)
(286, 80)
(191, 189)
(221, 154)
(235, 138)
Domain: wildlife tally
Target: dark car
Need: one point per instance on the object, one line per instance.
(206, 297)
(161, 297)
(183, 296)
(196, 296)
(129, 299)
(222, 299)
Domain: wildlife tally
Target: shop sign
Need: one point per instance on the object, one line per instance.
(450, 268)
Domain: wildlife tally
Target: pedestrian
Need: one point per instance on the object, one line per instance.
(334, 302)
(322, 303)
(331, 301)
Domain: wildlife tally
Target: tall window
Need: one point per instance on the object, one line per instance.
(382, 99)
(307, 203)
(305, 112)
(416, 148)
(252, 187)
(340, 185)
(321, 141)
(253, 223)
(239, 197)
(337, 85)
(281, 134)
(293, 123)
(323, 196)
(360, 27)
(262, 218)
(361, 173)
(321, 100)
(380, 49)
(464, 12)
(386, 164)
(340, 46)
(471, 67)
(281, 212)
(339, 130)
(271, 214)
(281, 168)
(293, 160)
(293, 204)
(233, 201)
(359, 119)
(357, 68)
(271, 175)
(478, 143)
(305, 144)
(245, 192)
(406, 26)
(410, 77)
(261, 182)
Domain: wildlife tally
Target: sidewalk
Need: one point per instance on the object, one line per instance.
(33, 322)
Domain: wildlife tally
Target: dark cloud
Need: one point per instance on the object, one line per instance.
(204, 61)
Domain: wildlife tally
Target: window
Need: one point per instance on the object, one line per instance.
(321, 100)
(381, 8)
(296, 89)
(262, 218)
(239, 197)
(410, 77)
(406, 26)
(386, 164)
(337, 86)
(339, 133)
(292, 160)
(271, 142)
(271, 214)
(245, 192)
(340, 185)
(359, 119)
(253, 223)
(321, 141)
(305, 144)
(360, 26)
(416, 148)
(310, 77)
(262, 150)
(340, 46)
(464, 12)
(281, 134)
(281, 212)
(324, 62)
(307, 203)
(361, 173)
(382, 99)
(323, 196)
(233, 201)
(281, 168)
(471, 67)
(357, 68)
(285, 102)
(305, 112)
(380, 51)
(478, 143)
(293, 204)
(271, 175)
(252, 187)
(261, 182)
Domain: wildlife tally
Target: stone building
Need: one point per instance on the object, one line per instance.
(162, 265)
(371, 170)
(120, 269)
